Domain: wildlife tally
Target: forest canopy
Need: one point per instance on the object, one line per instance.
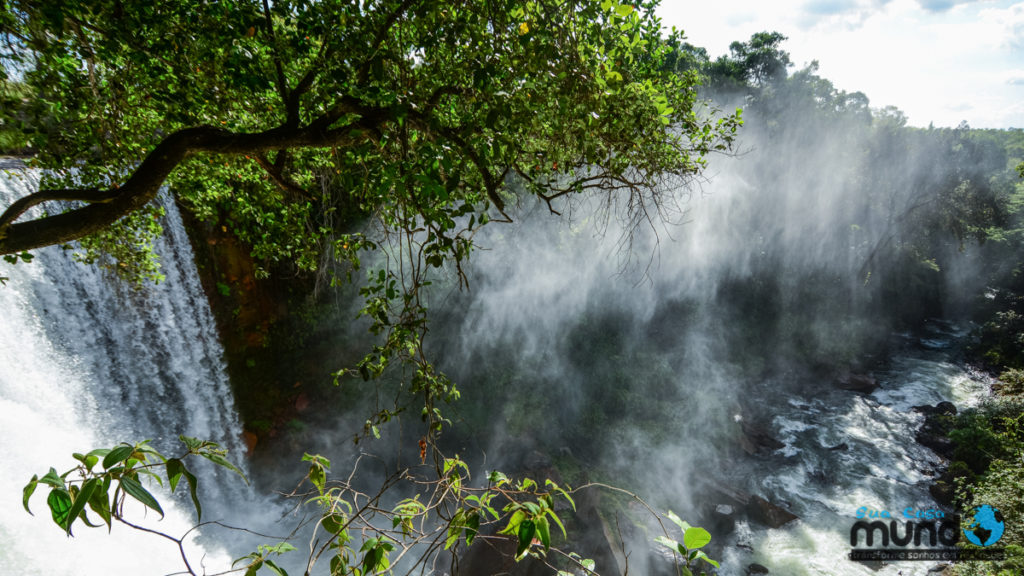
(415, 112)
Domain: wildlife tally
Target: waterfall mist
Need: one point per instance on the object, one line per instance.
(648, 366)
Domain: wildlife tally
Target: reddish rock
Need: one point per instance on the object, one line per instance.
(250, 440)
(857, 383)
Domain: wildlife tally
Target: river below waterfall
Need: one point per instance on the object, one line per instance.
(85, 363)
(846, 450)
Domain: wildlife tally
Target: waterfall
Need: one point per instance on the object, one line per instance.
(86, 362)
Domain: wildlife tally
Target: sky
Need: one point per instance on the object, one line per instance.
(939, 61)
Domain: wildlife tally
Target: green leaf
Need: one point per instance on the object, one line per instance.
(372, 559)
(279, 548)
(497, 478)
(667, 542)
(316, 458)
(318, 477)
(60, 504)
(174, 470)
(222, 461)
(333, 523)
(624, 10)
(192, 485)
(27, 492)
(275, 568)
(80, 500)
(455, 528)
(472, 527)
(100, 504)
(702, 556)
(193, 445)
(678, 521)
(52, 479)
(527, 530)
(557, 521)
(89, 460)
(696, 537)
(117, 455)
(338, 566)
(513, 523)
(134, 489)
(544, 532)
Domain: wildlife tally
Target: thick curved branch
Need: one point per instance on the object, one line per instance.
(142, 187)
(22, 205)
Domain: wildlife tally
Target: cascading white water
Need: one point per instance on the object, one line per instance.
(87, 363)
(879, 465)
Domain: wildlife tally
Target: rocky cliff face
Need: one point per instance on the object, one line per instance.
(254, 316)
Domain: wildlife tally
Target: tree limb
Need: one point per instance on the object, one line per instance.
(22, 205)
(282, 84)
(142, 187)
(364, 69)
(275, 173)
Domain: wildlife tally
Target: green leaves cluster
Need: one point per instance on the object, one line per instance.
(104, 489)
(354, 531)
(448, 514)
(261, 558)
(689, 550)
(529, 520)
(413, 114)
(989, 453)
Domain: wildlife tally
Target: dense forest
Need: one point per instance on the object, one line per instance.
(436, 246)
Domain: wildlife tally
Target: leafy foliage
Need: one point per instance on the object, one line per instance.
(88, 487)
(354, 531)
(999, 481)
(689, 550)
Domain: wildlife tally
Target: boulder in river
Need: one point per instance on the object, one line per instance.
(753, 507)
(757, 439)
(942, 408)
(938, 423)
(861, 383)
(765, 512)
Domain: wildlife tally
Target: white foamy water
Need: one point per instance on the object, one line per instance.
(881, 466)
(86, 363)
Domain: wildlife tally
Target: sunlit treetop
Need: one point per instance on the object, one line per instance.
(280, 112)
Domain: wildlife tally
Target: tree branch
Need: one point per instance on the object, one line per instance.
(490, 183)
(295, 96)
(22, 205)
(364, 68)
(276, 174)
(282, 84)
(142, 187)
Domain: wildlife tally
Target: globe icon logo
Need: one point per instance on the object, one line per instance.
(984, 525)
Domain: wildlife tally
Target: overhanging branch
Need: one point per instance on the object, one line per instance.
(110, 205)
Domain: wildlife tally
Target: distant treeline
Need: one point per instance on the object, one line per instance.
(932, 216)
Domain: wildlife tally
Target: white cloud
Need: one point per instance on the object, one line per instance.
(1008, 26)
